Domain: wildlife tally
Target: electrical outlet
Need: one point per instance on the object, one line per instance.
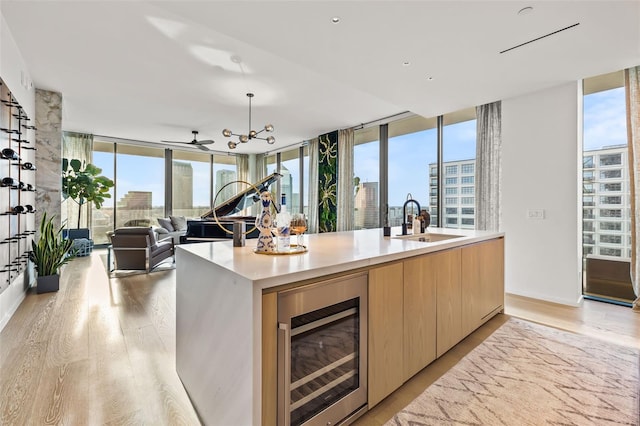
(535, 214)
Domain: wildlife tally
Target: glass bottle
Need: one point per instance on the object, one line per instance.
(283, 226)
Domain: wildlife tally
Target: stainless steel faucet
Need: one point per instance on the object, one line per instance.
(404, 213)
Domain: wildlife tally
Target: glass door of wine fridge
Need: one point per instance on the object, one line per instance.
(322, 347)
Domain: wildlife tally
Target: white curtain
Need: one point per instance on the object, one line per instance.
(345, 198)
(632, 90)
(260, 166)
(242, 167)
(312, 220)
(488, 148)
(77, 146)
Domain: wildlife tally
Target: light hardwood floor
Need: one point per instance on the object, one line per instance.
(102, 351)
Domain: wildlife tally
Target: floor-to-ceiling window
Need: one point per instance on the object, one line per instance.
(413, 153)
(459, 165)
(292, 173)
(102, 220)
(366, 166)
(191, 183)
(225, 171)
(606, 216)
(290, 180)
(140, 184)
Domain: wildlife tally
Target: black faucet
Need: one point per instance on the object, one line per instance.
(404, 214)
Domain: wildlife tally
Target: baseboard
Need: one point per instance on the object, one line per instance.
(10, 300)
(549, 299)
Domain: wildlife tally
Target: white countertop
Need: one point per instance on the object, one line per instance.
(327, 253)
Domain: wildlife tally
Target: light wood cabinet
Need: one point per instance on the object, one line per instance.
(418, 309)
(385, 363)
(446, 270)
(482, 283)
(419, 346)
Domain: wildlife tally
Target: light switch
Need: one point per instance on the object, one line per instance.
(535, 214)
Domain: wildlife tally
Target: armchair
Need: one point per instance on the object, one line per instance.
(136, 248)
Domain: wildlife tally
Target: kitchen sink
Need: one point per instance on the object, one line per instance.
(427, 237)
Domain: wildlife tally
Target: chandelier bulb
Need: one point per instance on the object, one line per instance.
(231, 145)
(271, 140)
(244, 138)
(226, 133)
(253, 134)
(269, 127)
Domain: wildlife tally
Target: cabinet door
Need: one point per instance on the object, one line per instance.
(482, 282)
(446, 271)
(385, 331)
(420, 277)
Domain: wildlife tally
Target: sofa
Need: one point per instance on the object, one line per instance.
(171, 227)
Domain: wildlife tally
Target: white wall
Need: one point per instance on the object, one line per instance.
(13, 70)
(14, 73)
(541, 136)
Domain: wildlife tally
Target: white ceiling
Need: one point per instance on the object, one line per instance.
(155, 70)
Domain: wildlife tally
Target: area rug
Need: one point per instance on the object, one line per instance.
(528, 374)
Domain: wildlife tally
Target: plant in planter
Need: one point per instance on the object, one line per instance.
(83, 183)
(48, 254)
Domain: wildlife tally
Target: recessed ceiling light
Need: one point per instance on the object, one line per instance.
(429, 78)
(335, 19)
(525, 10)
(406, 63)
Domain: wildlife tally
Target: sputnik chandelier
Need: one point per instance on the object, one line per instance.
(252, 133)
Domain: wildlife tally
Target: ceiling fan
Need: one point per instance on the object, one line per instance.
(200, 144)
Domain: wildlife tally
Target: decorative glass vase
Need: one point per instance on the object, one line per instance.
(264, 222)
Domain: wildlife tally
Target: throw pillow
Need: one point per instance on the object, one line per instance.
(179, 223)
(162, 230)
(165, 222)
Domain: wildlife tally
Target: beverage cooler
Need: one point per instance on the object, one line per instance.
(322, 351)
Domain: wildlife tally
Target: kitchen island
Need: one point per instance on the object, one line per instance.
(225, 349)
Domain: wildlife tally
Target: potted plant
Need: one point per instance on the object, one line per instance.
(82, 182)
(48, 254)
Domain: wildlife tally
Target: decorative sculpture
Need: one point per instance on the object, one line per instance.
(264, 223)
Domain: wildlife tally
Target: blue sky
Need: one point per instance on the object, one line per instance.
(409, 155)
(605, 119)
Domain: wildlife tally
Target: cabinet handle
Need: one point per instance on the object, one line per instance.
(284, 382)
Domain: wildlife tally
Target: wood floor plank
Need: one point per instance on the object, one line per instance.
(62, 397)
(23, 322)
(161, 392)
(68, 334)
(605, 321)
(19, 380)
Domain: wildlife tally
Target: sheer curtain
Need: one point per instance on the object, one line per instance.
(77, 146)
(345, 201)
(488, 147)
(313, 186)
(632, 91)
(242, 166)
(260, 166)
